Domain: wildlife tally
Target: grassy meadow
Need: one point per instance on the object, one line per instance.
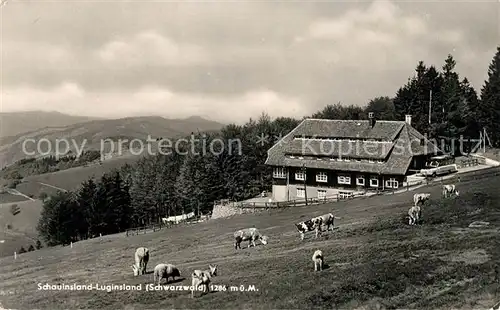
(374, 260)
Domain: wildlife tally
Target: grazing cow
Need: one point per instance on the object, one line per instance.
(203, 277)
(250, 234)
(450, 189)
(164, 271)
(307, 226)
(414, 215)
(141, 261)
(318, 260)
(325, 219)
(421, 197)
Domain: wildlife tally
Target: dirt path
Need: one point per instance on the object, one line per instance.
(18, 193)
(48, 185)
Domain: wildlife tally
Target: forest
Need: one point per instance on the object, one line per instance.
(164, 185)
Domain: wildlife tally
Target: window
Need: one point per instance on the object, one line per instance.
(301, 193)
(392, 183)
(279, 173)
(374, 182)
(360, 180)
(321, 193)
(299, 175)
(321, 177)
(345, 195)
(344, 179)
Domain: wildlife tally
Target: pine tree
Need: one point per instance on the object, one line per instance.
(489, 110)
(453, 103)
(58, 219)
(472, 102)
(86, 200)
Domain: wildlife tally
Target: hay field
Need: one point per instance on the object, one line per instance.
(374, 258)
(18, 230)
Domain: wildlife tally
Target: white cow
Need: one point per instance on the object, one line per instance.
(164, 271)
(414, 215)
(318, 260)
(141, 261)
(421, 197)
(450, 189)
(250, 234)
(203, 277)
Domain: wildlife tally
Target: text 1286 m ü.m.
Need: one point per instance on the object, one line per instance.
(234, 288)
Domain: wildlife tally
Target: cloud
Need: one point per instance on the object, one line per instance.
(249, 55)
(151, 49)
(151, 100)
(381, 36)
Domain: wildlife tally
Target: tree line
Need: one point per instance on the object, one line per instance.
(166, 185)
(33, 166)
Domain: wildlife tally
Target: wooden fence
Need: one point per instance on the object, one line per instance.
(143, 230)
(156, 227)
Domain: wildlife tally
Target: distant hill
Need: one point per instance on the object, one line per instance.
(95, 131)
(15, 123)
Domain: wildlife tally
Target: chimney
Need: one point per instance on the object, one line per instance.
(408, 119)
(371, 118)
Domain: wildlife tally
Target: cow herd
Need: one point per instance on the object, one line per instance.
(415, 212)
(202, 278)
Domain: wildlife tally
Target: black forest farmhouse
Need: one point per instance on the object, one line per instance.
(330, 157)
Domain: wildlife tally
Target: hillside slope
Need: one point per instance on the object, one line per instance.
(19, 230)
(15, 123)
(374, 259)
(90, 134)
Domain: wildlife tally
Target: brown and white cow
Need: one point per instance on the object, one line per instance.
(306, 226)
(250, 235)
(421, 197)
(449, 190)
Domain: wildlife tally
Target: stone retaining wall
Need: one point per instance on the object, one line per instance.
(225, 210)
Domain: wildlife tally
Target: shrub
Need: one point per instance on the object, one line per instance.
(43, 196)
(14, 209)
(22, 250)
(31, 248)
(13, 184)
(38, 245)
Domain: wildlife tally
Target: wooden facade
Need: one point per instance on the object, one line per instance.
(358, 180)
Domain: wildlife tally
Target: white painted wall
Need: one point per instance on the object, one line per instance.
(280, 192)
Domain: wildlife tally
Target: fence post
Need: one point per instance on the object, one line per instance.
(71, 244)
(15, 255)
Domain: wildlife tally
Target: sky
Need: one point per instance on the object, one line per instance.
(230, 60)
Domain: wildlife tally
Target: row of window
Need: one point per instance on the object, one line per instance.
(280, 173)
(371, 161)
(301, 193)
